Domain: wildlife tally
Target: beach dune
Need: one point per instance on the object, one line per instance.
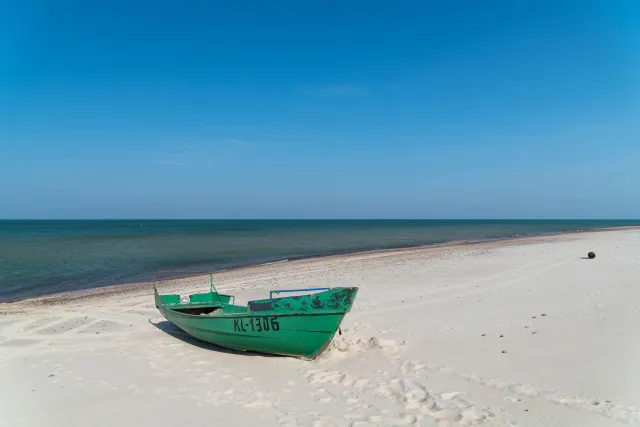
(521, 332)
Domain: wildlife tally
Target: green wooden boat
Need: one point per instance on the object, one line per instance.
(300, 326)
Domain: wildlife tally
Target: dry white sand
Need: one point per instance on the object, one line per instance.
(521, 333)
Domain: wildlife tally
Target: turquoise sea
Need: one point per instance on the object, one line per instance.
(43, 257)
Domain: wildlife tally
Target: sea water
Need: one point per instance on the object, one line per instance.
(43, 257)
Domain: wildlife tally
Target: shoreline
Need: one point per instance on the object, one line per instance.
(57, 298)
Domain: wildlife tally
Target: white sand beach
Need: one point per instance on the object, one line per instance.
(513, 333)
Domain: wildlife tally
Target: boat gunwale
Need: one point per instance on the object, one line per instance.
(176, 307)
(252, 314)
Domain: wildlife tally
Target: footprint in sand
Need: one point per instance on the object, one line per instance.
(20, 342)
(41, 322)
(624, 414)
(412, 400)
(67, 325)
(104, 326)
(259, 404)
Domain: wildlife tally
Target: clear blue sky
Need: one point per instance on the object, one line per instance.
(362, 109)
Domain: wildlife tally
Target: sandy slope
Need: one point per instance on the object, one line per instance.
(495, 334)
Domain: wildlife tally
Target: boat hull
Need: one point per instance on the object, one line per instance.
(295, 335)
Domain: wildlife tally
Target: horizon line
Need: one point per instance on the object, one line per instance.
(325, 219)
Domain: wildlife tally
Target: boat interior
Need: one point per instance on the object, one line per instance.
(196, 311)
(201, 310)
(207, 303)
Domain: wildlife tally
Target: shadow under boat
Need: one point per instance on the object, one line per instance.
(175, 332)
